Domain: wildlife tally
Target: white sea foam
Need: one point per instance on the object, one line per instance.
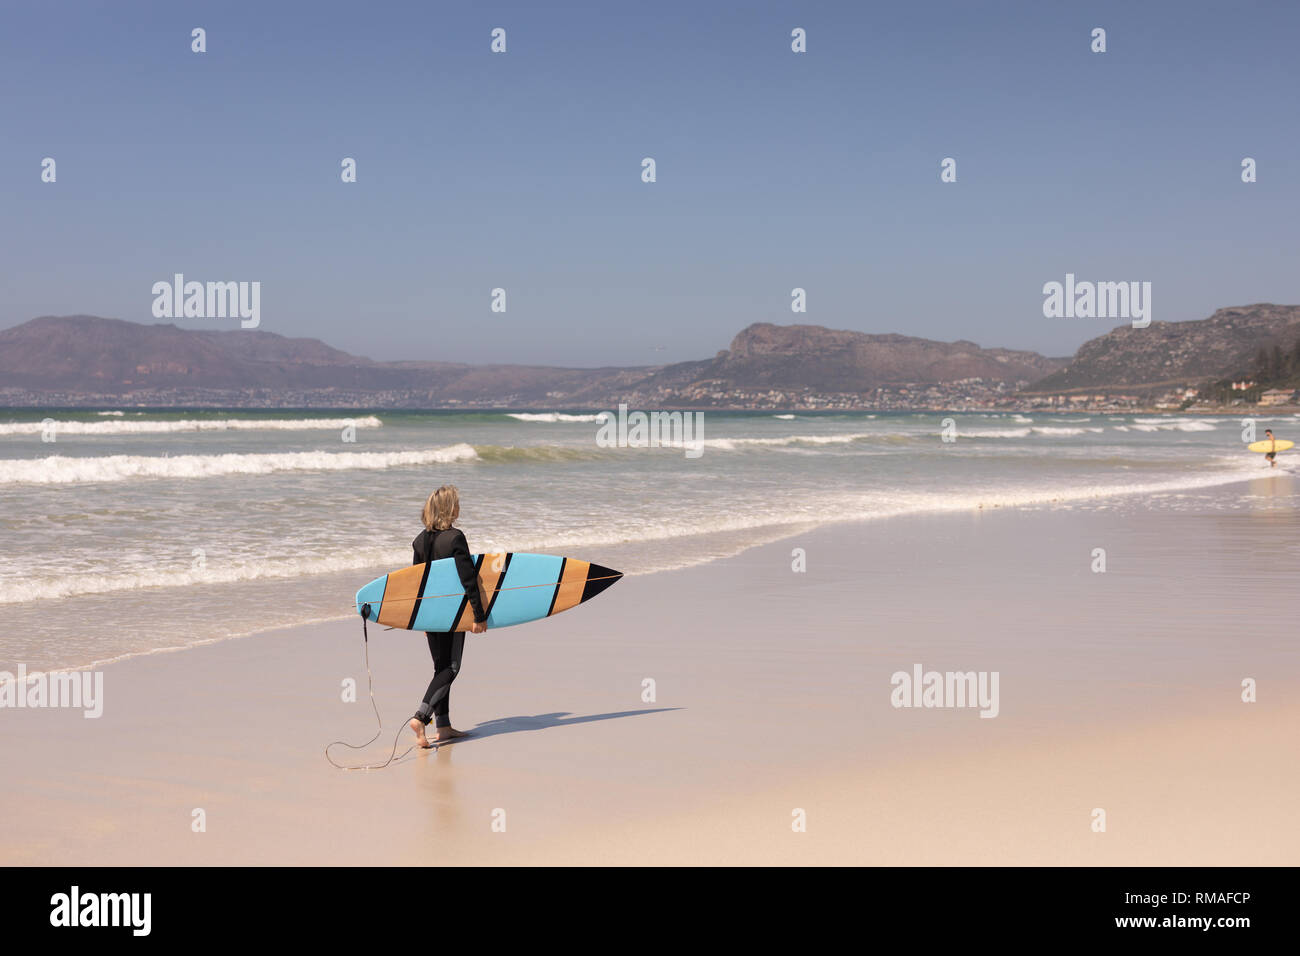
(894, 502)
(53, 587)
(784, 417)
(995, 433)
(60, 469)
(1167, 425)
(552, 417)
(1026, 432)
(734, 444)
(118, 414)
(777, 522)
(188, 425)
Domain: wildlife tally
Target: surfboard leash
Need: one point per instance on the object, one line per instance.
(364, 610)
(370, 681)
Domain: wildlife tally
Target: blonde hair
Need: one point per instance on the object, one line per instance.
(441, 508)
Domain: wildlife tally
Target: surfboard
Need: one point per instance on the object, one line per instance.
(514, 587)
(1266, 445)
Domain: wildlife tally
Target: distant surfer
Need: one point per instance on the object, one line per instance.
(1271, 454)
(440, 540)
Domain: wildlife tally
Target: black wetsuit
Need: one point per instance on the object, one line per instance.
(446, 647)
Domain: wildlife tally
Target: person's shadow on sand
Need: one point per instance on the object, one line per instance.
(515, 725)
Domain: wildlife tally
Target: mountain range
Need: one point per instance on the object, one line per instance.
(93, 355)
(83, 355)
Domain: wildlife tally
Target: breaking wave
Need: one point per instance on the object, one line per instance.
(1161, 424)
(61, 470)
(189, 425)
(552, 417)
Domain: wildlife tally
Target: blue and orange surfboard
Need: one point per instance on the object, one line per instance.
(515, 587)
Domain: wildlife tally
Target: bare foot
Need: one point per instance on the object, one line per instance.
(421, 741)
(448, 733)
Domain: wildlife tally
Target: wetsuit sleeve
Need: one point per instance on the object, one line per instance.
(417, 549)
(468, 576)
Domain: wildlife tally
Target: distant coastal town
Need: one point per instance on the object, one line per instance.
(968, 395)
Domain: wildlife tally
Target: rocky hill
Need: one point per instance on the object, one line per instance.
(809, 356)
(1176, 353)
(89, 354)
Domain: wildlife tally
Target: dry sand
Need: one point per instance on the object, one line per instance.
(1119, 691)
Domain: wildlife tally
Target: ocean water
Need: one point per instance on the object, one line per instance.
(138, 531)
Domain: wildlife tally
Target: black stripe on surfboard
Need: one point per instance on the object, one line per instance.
(380, 606)
(464, 599)
(598, 578)
(500, 583)
(419, 596)
(556, 593)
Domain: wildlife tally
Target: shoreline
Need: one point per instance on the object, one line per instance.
(775, 533)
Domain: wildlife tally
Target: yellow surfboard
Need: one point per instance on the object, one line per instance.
(1266, 445)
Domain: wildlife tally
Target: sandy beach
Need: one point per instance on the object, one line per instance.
(772, 692)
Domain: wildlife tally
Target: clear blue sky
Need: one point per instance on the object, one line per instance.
(522, 170)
